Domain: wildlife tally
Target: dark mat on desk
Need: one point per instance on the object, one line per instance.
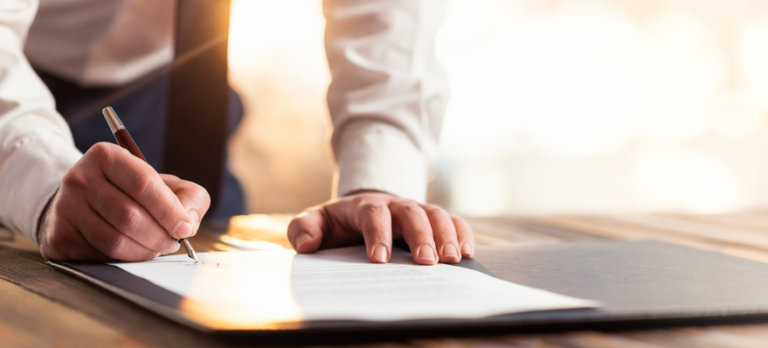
(640, 283)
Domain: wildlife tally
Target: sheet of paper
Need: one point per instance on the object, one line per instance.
(279, 285)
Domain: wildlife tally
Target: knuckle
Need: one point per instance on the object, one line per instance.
(410, 208)
(101, 150)
(371, 208)
(362, 197)
(143, 185)
(128, 219)
(359, 199)
(75, 178)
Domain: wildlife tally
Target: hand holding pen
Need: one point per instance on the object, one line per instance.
(112, 205)
(126, 141)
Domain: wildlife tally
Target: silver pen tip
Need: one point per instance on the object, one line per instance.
(190, 252)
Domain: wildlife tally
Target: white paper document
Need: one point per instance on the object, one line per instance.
(244, 287)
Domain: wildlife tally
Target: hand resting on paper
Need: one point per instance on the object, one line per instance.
(113, 206)
(377, 218)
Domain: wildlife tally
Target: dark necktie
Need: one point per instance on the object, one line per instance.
(196, 134)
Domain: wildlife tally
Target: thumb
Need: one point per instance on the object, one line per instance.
(306, 231)
(193, 197)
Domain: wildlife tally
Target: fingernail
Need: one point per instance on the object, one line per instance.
(194, 218)
(193, 215)
(380, 253)
(183, 230)
(425, 253)
(301, 240)
(466, 249)
(450, 252)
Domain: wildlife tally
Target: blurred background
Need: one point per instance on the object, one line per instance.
(578, 106)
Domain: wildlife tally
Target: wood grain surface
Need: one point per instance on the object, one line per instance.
(42, 307)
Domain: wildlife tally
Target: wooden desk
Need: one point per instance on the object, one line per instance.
(43, 307)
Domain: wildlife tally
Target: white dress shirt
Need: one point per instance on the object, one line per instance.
(386, 98)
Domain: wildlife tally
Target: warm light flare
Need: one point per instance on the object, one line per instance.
(555, 106)
(274, 32)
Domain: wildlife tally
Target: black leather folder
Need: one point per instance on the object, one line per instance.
(639, 283)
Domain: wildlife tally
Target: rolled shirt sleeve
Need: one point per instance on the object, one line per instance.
(36, 146)
(387, 95)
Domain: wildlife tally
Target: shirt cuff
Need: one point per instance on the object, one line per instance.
(30, 173)
(377, 156)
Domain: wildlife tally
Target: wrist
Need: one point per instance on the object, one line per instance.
(42, 218)
(376, 156)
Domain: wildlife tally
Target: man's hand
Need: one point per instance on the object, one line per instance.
(430, 232)
(113, 206)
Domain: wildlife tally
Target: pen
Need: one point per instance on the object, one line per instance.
(125, 140)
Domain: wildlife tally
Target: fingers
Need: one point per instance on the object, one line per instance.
(431, 233)
(375, 223)
(444, 232)
(305, 232)
(465, 236)
(112, 205)
(110, 242)
(140, 182)
(72, 230)
(123, 214)
(412, 222)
